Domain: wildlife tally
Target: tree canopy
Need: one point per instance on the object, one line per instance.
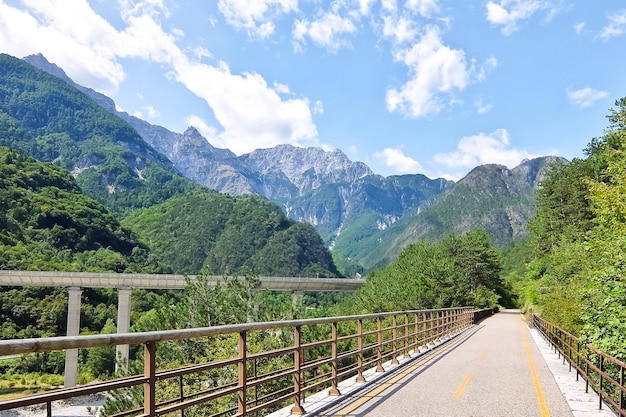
(577, 277)
(457, 271)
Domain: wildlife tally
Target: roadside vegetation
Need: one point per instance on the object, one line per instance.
(576, 275)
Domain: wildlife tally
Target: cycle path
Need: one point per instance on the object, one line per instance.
(496, 370)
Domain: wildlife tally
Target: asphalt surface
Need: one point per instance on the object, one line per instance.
(496, 370)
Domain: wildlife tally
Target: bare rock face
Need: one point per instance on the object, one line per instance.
(307, 169)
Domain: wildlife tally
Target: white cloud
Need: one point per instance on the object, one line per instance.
(480, 149)
(365, 6)
(434, 69)
(147, 112)
(318, 107)
(328, 31)
(252, 114)
(578, 27)
(400, 163)
(258, 16)
(481, 106)
(281, 88)
(585, 97)
(209, 132)
(389, 5)
(79, 45)
(424, 7)
(508, 13)
(399, 29)
(616, 26)
(482, 71)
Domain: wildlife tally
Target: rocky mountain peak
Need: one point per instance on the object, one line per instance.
(306, 168)
(40, 61)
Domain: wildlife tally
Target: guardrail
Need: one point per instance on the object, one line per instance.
(315, 355)
(602, 372)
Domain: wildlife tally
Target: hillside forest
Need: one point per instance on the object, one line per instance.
(81, 191)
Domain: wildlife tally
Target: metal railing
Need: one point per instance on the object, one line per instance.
(602, 372)
(245, 378)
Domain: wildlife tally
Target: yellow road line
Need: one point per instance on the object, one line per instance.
(481, 357)
(382, 387)
(541, 398)
(461, 388)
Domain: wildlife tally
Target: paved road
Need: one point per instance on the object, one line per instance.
(495, 371)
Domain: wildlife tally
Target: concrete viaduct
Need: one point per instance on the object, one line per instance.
(125, 283)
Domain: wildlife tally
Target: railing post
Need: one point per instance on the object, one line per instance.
(334, 391)
(587, 371)
(427, 324)
(256, 387)
(406, 336)
(394, 344)
(577, 359)
(242, 373)
(149, 388)
(359, 376)
(297, 385)
(379, 346)
(416, 345)
(600, 388)
(439, 325)
(621, 384)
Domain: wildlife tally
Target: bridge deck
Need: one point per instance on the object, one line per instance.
(494, 370)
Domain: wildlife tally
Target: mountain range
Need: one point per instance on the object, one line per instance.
(366, 219)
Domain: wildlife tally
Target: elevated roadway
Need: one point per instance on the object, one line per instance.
(125, 283)
(163, 281)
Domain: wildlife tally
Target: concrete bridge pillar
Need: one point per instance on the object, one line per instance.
(123, 326)
(73, 328)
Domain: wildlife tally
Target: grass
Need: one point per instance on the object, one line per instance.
(18, 385)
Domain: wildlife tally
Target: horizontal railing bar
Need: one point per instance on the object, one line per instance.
(173, 373)
(197, 401)
(317, 384)
(311, 345)
(376, 344)
(269, 403)
(270, 353)
(593, 374)
(65, 393)
(264, 398)
(269, 378)
(19, 346)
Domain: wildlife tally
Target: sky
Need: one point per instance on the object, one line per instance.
(434, 87)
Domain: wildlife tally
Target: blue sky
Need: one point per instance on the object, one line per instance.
(407, 86)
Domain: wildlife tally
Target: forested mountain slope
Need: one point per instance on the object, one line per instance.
(229, 235)
(43, 116)
(47, 223)
(493, 198)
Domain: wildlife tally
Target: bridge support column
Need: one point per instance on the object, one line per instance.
(73, 328)
(123, 326)
(296, 296)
